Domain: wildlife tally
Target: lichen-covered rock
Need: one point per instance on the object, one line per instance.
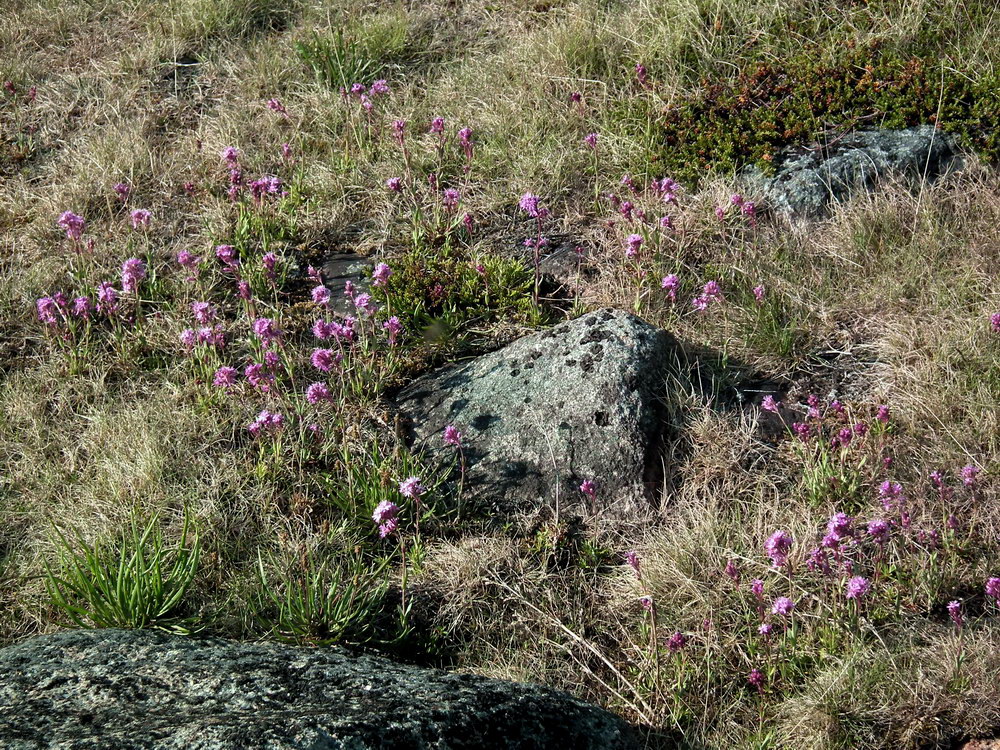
(118, 690)
(807, 180)
(576, 402)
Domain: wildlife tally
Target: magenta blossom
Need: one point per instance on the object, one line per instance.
(777, 548)
(782, 606)
(381, 274)
(267, 331)
(590, 140)
(671, 283)
(769, 404)
(325, 359)
(321, 295)
(133, 271)
(633, 245)
(392, 327)
(72, 224)
(203, 312)
(969, 475)
(993, 589)
(632, 559)
(857, 587)
(317, 392)
(141, 218)
(588, 488)
(530, 205)
(955, 613)
(395, 184)
(225, 377)
(452, 436)
(677, 642)
(122, 190)
(411, 487)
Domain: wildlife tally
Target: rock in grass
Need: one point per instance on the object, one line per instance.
(807, 180)
(118, 689)
(577, 402)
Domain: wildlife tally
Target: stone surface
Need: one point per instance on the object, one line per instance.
(578, 401)
(338, 270)
(116, 689)
(808, 179)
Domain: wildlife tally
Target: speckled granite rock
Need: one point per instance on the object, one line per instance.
(578, 401)
(808, 180)
(118, 690)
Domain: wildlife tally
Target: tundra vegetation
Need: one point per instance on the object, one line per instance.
(192, 440)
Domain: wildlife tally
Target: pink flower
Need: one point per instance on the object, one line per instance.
(782, 606)
(955, 613)
(677, 642)
(379, 88)
(757, 587)
(276, 106)
(646, 602)
(878, 529)
(47, 310)
(993, 589)
(756, 678)
(225, 377)
(393, 327)
(633, 245)
(777, 548)
(203, 312)
(995, 322)
(437, 125)
(732, 570)
(317, 392)
(858, 587)
(82, 307)
(107, 298)
(588, 488)
(141, 218)
(385, 511)
(969, 474)
(632, 559)
(72, 224)
(590, 140)
(321, 295)
(133, 271)
(758, 293)
(381, 274)
(769, 404)
(450, 198)
(395, 184)
(411, 487)
(883, 414)
(671, 284)
(266, 330)
(258, 377)
(530, 205)
(122, 190)
(325, 359)
(452, 436)
(228, 255)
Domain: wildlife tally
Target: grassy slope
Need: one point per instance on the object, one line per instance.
(889, 299)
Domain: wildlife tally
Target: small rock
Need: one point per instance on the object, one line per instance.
(576, 402)
(808, 180)
(121, 690)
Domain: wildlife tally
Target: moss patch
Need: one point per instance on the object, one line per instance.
(750, 118)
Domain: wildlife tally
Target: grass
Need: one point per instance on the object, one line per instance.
(110, 425)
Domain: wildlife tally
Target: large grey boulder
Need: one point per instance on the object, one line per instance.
(118, 690)
(807, 180)
(576, 402)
